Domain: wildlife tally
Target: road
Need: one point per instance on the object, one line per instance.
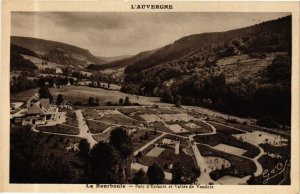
(84, 129)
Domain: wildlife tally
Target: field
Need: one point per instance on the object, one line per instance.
(64, 129)
(230, 149)
(155, 152)
(38, 63)
(23, 96)
(82, 93)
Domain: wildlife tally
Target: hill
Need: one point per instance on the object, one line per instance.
(229, 71)
(18, 62)
(57, 52)
(122, 63)
(112, 59)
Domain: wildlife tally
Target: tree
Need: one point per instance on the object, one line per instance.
(267, 121)
(178, 101)
(182, 175)
(59, 99)
(146, 136)
(140, 177)
(28, 154)
(120, 139)
(121, 101)
(127, 101)
(91, 101)
(155, 174)
(105, 164)
(84, 148)
(45, 93)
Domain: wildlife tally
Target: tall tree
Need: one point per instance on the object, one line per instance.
(45, 93)
(140, 177)
(84, 148)
(120, 139)
(59, 99)
(105, 164)
(155, 174)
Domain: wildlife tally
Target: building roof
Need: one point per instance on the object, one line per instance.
(35, 109)
(44, 103)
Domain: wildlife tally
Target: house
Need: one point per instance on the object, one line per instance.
(58, 70)
(39, 113)
(32, 100)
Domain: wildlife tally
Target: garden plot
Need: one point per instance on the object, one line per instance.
(214, 163)
(165, 117)
(96, 126)
(113, 112)
(150, 118)
(118, 119)
(259, 137)
(192, 125)
(155, 152)
(230, 149)
(175, 117)
(177, 128)
(91, 114)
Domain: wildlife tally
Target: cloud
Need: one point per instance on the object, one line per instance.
(121, 33)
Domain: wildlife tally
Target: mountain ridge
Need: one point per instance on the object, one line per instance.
(58, 51)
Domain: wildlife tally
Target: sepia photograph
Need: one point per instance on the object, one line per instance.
(173, 97)
(150, 98)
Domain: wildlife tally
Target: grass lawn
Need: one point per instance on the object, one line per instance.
(127, 111)
(59, 129)
(138, 139)
(240, 167)
(219, 138)
(90, 114)
(158, 125)
(96, 126)
(82, 93)
(201, 127)
(119, 120)
(102, 137)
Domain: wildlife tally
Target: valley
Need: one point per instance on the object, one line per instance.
(207, 109)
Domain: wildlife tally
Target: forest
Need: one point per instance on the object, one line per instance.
(197, 78)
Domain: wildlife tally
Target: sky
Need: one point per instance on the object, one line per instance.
(110, 34)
